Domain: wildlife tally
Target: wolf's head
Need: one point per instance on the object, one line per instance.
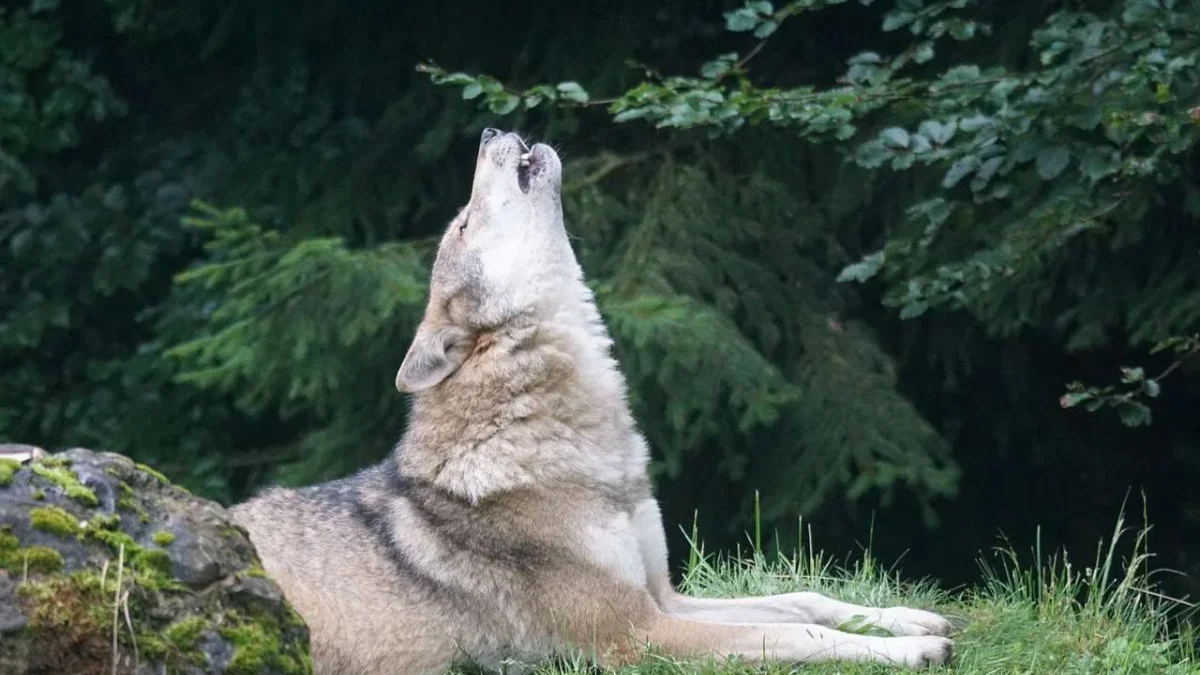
(504, 260)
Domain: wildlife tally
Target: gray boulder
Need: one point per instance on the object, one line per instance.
(104, 561)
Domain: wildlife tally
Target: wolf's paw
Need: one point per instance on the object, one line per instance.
(902, 621)
(923, 651)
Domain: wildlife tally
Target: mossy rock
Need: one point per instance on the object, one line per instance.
(88, 539)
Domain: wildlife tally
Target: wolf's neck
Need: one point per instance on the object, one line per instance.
(544, 406)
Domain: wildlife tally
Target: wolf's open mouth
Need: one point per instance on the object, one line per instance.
(526, 167)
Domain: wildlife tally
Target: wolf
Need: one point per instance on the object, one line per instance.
(514, 520)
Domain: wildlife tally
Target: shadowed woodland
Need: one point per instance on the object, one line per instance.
(924, 274)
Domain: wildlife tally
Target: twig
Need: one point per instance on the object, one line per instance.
(129, 622)
(1178, 362)
(117, 607)
(741, 63)
(1108, 52)
(783, 15)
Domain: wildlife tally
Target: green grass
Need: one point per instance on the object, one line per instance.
(1030, 615)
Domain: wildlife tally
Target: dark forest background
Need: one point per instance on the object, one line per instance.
(908, 270)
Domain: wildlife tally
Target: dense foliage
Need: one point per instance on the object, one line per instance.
(864, 257)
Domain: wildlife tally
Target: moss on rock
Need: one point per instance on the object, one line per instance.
(163, 538)
(61, 475)
(8, 540)
(105, 521)
(20, 560)
(39, 559)
(151, 561)
(54, 520)
(71, 620)
(153, 472)
(259, 647)
(178, 645)
(185, 633)
(7, 468)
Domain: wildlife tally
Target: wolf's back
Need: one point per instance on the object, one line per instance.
(341, 575)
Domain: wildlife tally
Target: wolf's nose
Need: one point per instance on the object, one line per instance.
(488, 134)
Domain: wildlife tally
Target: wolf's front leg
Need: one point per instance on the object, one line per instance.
(811, 608)
(790, 643)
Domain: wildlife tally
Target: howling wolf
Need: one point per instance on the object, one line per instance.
(515, 519)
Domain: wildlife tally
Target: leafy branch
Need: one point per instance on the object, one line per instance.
(1029, 160)
(1127, 398)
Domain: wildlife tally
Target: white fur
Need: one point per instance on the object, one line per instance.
(612, 545)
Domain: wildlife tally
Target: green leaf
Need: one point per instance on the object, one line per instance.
(913, 309)
(937, 131)
(864, 58)
(863, 270)
(962, 30)
(630, 114)
(935, 211)
(1138, 11)
(961, 74)
(1074, 398)
(472, 90)
(1151, 388)
(765, 29)
(872, 154)
(960, 170)
(985, 173)
(923, 52)
(1134, 414)
(1131, 375)
(1178, 343)
(1097, 163)
(1000, 91)
(1052, 161)
(572, 92)
(897, 19)
(895, 136)
(455, 79)
(975, 123)
(503, 104)
(718, 67)
(741, 20)
(863, 74)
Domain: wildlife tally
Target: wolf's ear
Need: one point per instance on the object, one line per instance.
(433, 356)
